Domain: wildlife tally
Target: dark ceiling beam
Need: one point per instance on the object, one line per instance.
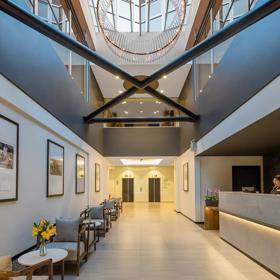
(141, 120)
(110, 104)
(171, 102)
(227, 32)
(46, 29)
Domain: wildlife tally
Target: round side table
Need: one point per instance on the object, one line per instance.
(33, 257)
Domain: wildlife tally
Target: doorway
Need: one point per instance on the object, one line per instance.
(246, 176)
(128, 189)
(154, 189)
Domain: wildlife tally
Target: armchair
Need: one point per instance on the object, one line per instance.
(71, 236)
(6, 271)
(97, 213)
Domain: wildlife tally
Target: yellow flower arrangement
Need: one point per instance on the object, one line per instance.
(44, 230)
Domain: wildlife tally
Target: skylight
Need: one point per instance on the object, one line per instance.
(127, 16)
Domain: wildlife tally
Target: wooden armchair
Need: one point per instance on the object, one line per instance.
(71, 236)
(27, 273)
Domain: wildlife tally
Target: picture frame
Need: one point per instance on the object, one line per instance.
(97, 177)
(186, 177)
(80, 174)
(55, 169)
(9, 159)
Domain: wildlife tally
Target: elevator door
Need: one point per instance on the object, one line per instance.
(154, 189)
(128, 189)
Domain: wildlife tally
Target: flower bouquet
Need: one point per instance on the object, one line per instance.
(44, 230)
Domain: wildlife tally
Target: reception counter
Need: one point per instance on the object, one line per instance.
(251, 223)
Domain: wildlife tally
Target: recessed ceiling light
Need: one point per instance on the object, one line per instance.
(141, 102)
(164, 77)
(201, 91)
(210, 76)
(158, 102)
(151, 162)
(124, 102)
(162, 91)
(155, 112)
(126, 112)
(117, 77)
(141, 111)
(120, 91)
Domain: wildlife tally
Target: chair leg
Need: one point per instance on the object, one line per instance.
(78, 268)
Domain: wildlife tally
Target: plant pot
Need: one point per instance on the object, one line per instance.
(213, 203)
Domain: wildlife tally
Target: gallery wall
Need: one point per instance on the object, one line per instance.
(141, 177)
(36, 126)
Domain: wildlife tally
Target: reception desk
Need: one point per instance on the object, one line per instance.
(251, 223)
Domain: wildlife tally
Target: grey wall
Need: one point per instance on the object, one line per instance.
(150, 141)
(251, 62)
(29, 61)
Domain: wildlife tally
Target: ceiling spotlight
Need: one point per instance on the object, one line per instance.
(201, 91)
(210, 76)
(141, 102)
(126, 112)
(124, 102)
(117, 77)
(155, 112)
(164, 77)
(158, 102)
(120, 91)
(141, 111)
(162, 91)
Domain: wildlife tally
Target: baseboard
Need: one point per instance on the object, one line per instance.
(188, 217)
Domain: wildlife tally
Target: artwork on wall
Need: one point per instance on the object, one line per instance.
(97, 177)
(186, 177)
(55, 172)
(9, 131)
(80, 174)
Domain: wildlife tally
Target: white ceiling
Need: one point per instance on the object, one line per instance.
(110, 86)
(166, 161)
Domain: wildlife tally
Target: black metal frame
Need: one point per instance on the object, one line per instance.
(227, 32)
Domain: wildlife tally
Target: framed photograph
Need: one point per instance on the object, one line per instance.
(55, 172)
(97, 177)
(186, 177)
(80, 174)
(9, 131)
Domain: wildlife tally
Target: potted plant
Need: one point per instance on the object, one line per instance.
(44, 230)
(212, 198)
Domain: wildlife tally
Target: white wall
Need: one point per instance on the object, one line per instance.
(188, 203)
(36, 126)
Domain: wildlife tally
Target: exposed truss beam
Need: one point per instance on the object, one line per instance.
(224, 34)
(111, 103)
(142, 120)
(48, 30)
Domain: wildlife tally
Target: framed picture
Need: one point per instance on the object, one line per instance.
(186, 177)
(55, 172)
(80, 174)
(97, 177)
(9, 131)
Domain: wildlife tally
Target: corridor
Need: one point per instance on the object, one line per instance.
(153, 242)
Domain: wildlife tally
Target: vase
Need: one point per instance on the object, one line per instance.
(42, 248)
(210, 202)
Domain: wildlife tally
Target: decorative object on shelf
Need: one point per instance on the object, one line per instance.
(186, 177)
(55, 171)
(212, 198)
(145, 42)
(80, 174)
(97, 177)
(9, 131)
(44, 230)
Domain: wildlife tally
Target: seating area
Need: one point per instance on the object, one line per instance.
(75, 240)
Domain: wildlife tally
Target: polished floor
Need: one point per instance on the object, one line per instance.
(151, 242)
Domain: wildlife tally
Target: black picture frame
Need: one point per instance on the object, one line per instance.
(80, 157)
(15, 198)
(97, 177)
(49, 143)
(186, 183)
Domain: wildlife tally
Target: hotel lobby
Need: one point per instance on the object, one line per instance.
(139, 139)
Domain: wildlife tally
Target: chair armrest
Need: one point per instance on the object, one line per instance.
(28, 271)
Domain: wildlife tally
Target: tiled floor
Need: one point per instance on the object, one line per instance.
(151, 242)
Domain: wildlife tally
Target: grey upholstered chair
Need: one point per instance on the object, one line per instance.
(7, 272)
(110, 205)
(71, 236)
(97, 213)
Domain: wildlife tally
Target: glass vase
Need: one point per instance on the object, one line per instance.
(42, 248)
